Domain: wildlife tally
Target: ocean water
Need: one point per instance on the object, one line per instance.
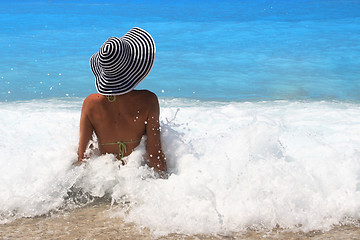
(276, 145)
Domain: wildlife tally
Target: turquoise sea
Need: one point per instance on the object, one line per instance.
(260, 109)
(221, 50)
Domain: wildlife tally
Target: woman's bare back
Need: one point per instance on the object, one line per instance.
(126, 119)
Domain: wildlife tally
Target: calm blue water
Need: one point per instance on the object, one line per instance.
(223, 50)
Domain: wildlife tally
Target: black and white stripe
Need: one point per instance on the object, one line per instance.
(122, 63)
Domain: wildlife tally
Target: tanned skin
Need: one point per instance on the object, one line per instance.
(131, 116)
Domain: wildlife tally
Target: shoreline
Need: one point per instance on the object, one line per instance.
(93, 222)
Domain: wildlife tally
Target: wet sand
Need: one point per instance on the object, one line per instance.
(93, 222)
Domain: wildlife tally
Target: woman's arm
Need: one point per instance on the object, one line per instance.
(156, 157)
(86, 130)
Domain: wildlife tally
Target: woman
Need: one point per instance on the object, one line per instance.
(118, 114)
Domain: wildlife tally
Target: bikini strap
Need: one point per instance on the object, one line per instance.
(122, 147)
(111, 98)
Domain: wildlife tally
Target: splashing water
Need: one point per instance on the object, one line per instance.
(238, 165)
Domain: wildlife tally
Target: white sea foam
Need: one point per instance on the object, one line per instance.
(233, 165)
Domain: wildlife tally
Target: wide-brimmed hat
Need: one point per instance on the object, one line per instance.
(122, 63)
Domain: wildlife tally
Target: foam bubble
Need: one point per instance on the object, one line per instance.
(233, 165)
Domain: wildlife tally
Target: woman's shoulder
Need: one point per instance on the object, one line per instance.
(146, 95)
(147, 99)
(93, 99)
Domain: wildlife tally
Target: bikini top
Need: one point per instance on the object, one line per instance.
(122, 147)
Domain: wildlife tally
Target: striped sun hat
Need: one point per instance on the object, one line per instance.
(122, 63)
